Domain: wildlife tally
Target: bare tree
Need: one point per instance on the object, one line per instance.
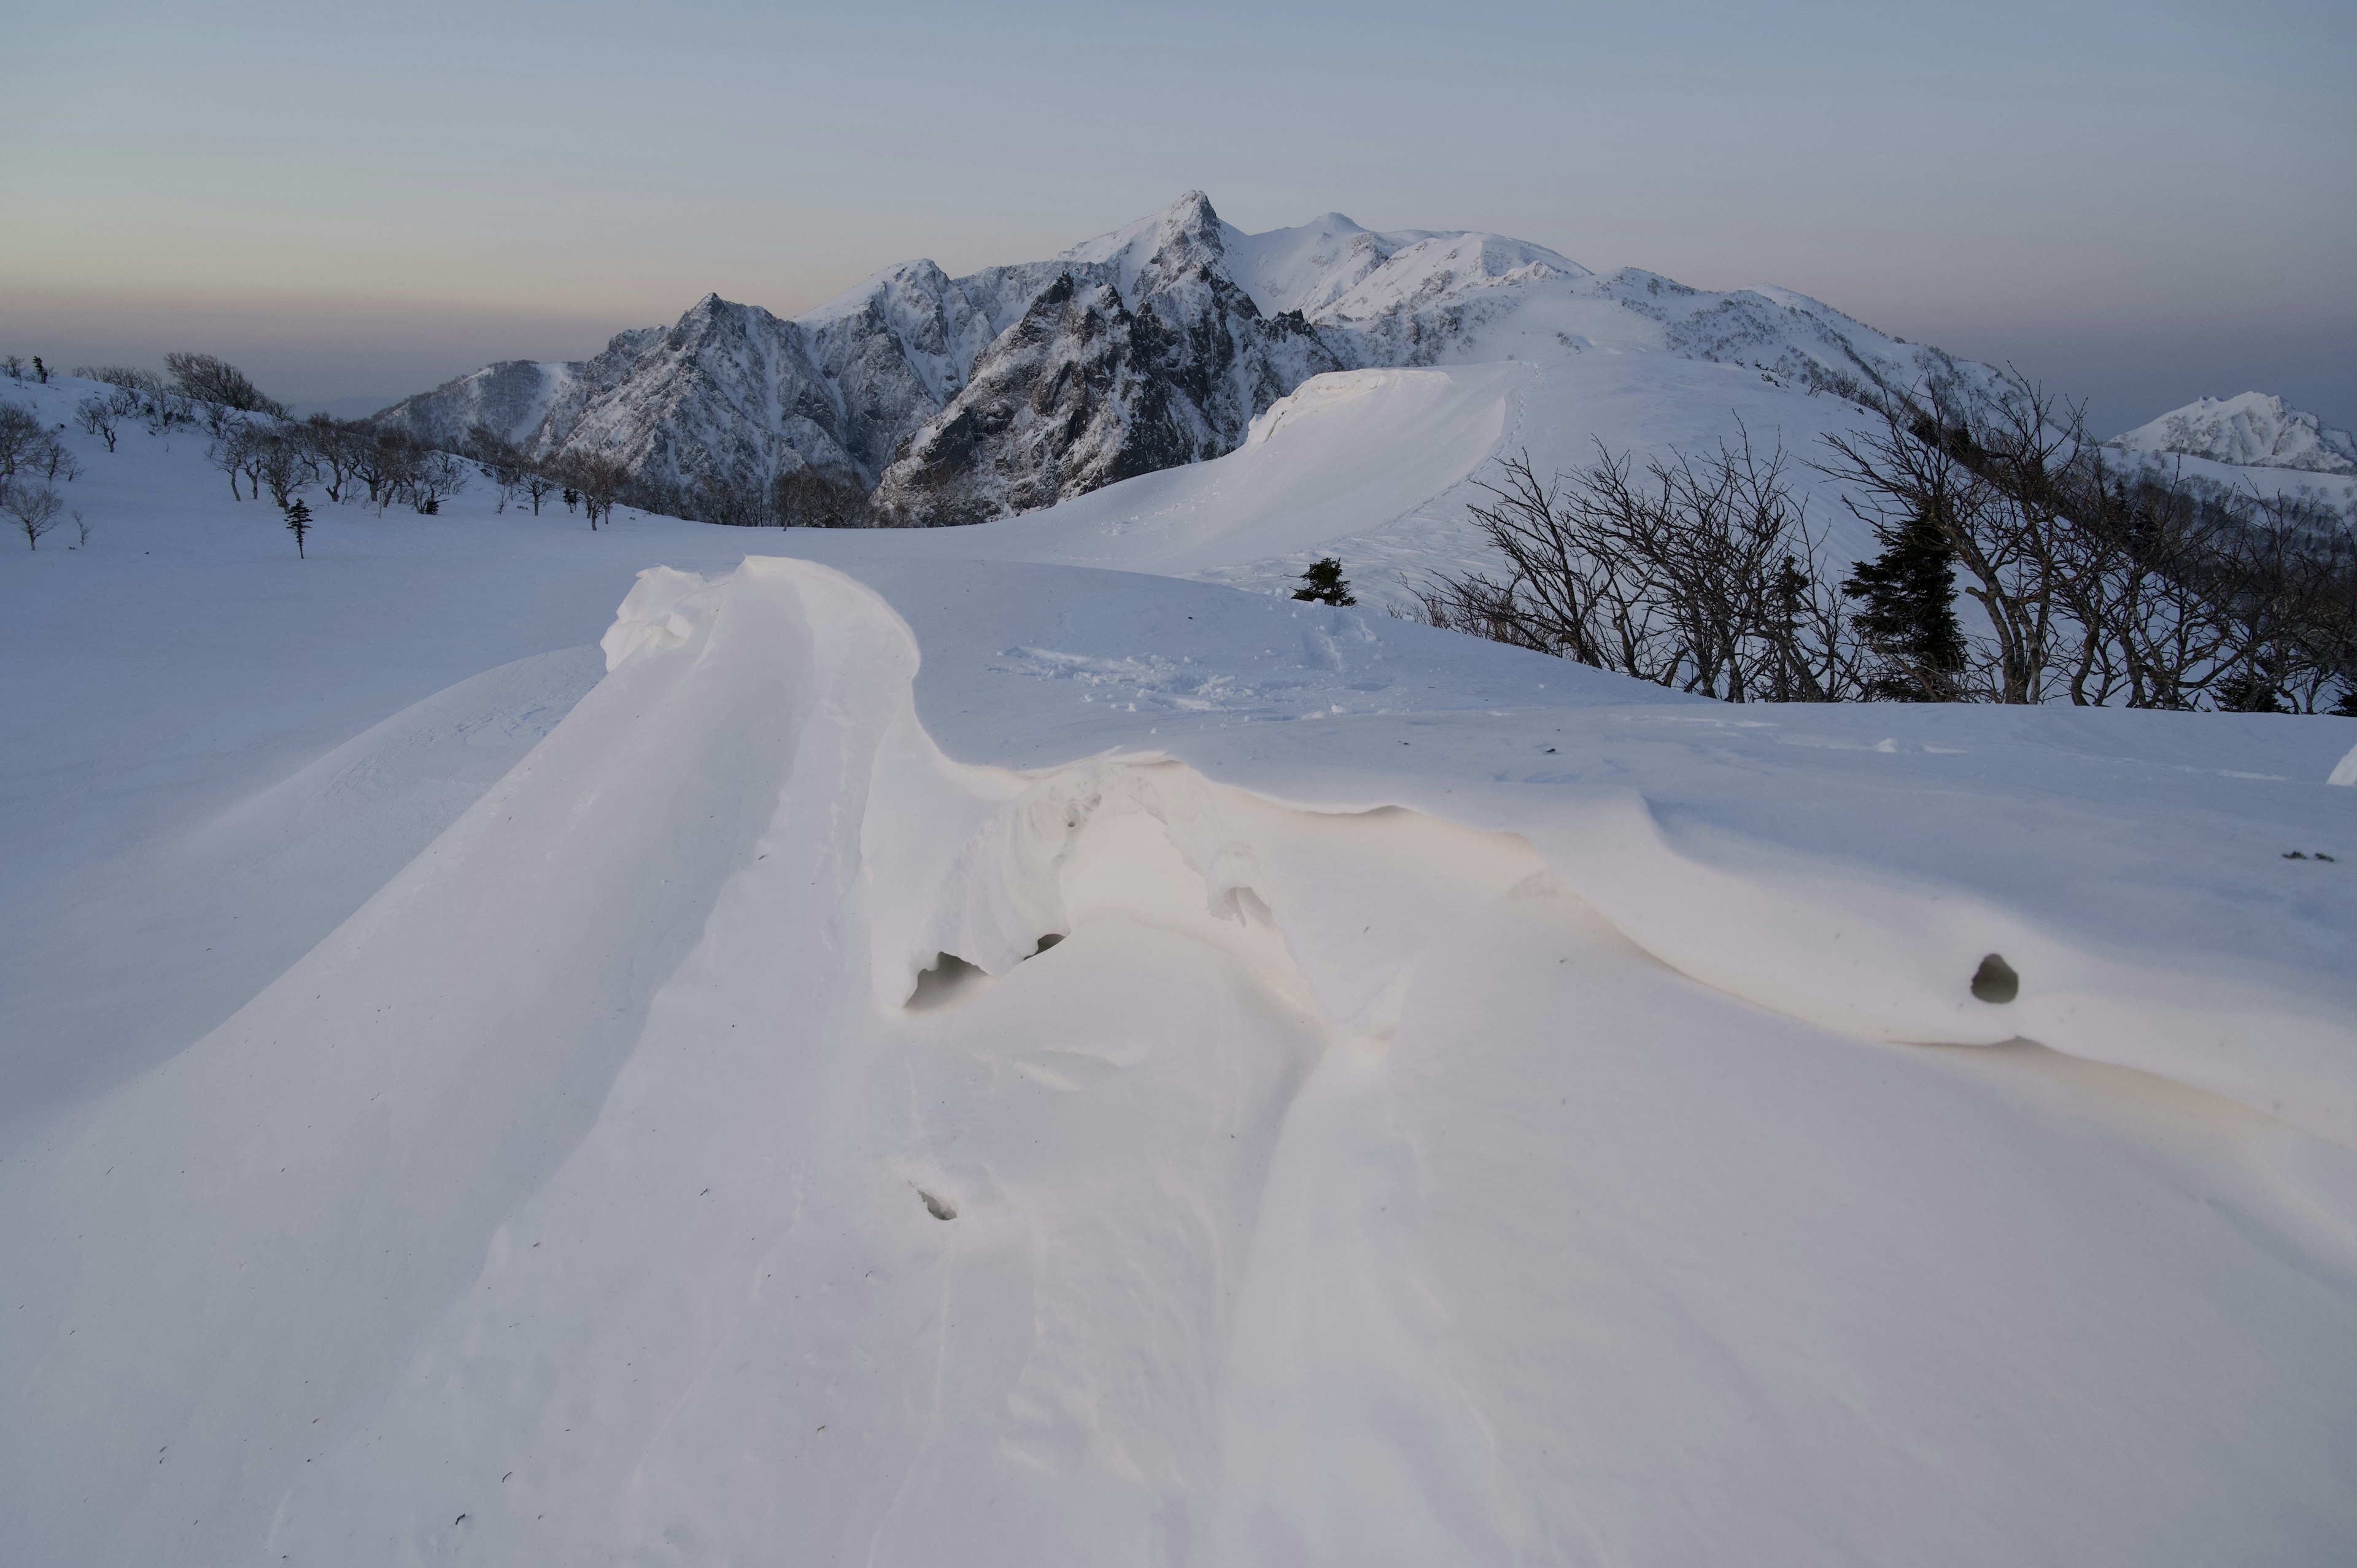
(35, 507)
(206, 379)
(283, 463)
(2138, 586)
(331, 445)
(22, 438)
(809, 499)
(432, 478)
(498, 459)
(1702, 574)
(383, 461)
(98, 416)
(539, 486)
(599, 479)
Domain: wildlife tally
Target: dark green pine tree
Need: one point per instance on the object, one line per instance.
(1325, 586)
(1907, 599)
(299, 519)
(2255, 689)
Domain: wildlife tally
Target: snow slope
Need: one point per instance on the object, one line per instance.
(593, 1168)
(1377, 467)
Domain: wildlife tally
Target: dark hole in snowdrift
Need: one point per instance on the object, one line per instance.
(1995, 980)
(939, 1207)
(950, 978)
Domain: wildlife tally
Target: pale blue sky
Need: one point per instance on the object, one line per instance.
(2141, 203)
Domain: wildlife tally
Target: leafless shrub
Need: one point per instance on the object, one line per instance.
(202, 378)
(2107, 584)
(1699, 573)
(23, 439)
(432, 477)
(599, 479)
(35, 507)
(98, 416)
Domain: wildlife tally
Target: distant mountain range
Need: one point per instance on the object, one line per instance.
(2253, 431)
(956, 400)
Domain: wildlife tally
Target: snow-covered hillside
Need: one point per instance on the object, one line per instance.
(488, 1077)
(1148, 348)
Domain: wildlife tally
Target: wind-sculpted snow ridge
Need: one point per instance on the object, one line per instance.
(702, 1154)
(1151, 346)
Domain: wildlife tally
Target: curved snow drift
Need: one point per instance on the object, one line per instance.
(1342, 1187)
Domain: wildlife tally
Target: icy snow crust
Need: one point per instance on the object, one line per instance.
(1478, 1110)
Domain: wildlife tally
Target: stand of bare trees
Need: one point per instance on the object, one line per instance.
(349, 461)
(1699, 573)
(2099, 583)
(2104, 583)
(29, 447)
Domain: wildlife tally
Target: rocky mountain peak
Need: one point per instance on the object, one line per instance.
(961, 398)
(2255, 430)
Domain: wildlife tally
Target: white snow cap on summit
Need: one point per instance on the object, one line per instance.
(2253, 431)
(1330, 262)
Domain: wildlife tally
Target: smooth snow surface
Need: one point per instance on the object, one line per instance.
(475, 1097)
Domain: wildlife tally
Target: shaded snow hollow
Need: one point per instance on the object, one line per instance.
(700, 1155)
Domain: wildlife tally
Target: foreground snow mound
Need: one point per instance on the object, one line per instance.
(2253, 431)
(700, 1155)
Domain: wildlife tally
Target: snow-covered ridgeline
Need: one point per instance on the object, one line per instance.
(2253, 431)
(1150, 347)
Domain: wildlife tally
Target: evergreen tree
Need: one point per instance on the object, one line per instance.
(1325, 586)
(299, 519)
(1908, 617)
(2254, 690)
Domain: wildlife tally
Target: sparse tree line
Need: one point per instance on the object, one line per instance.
(2099, 583)
(265, 451)
(806, 498)
(33, 462)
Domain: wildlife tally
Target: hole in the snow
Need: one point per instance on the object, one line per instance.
(1995, 980)
(1050, 939)
(939, 1207)
(950, 978)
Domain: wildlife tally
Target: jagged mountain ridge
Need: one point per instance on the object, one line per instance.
(956, 400)
(2252, 431)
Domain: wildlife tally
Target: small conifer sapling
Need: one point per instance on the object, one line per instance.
(298, 519)
(1324, 585)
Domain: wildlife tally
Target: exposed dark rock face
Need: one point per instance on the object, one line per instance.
(1113, 370)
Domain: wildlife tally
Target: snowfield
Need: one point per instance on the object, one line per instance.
(490, 1076)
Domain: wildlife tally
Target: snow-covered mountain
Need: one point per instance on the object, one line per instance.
(961, 399)
(2253, 431)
